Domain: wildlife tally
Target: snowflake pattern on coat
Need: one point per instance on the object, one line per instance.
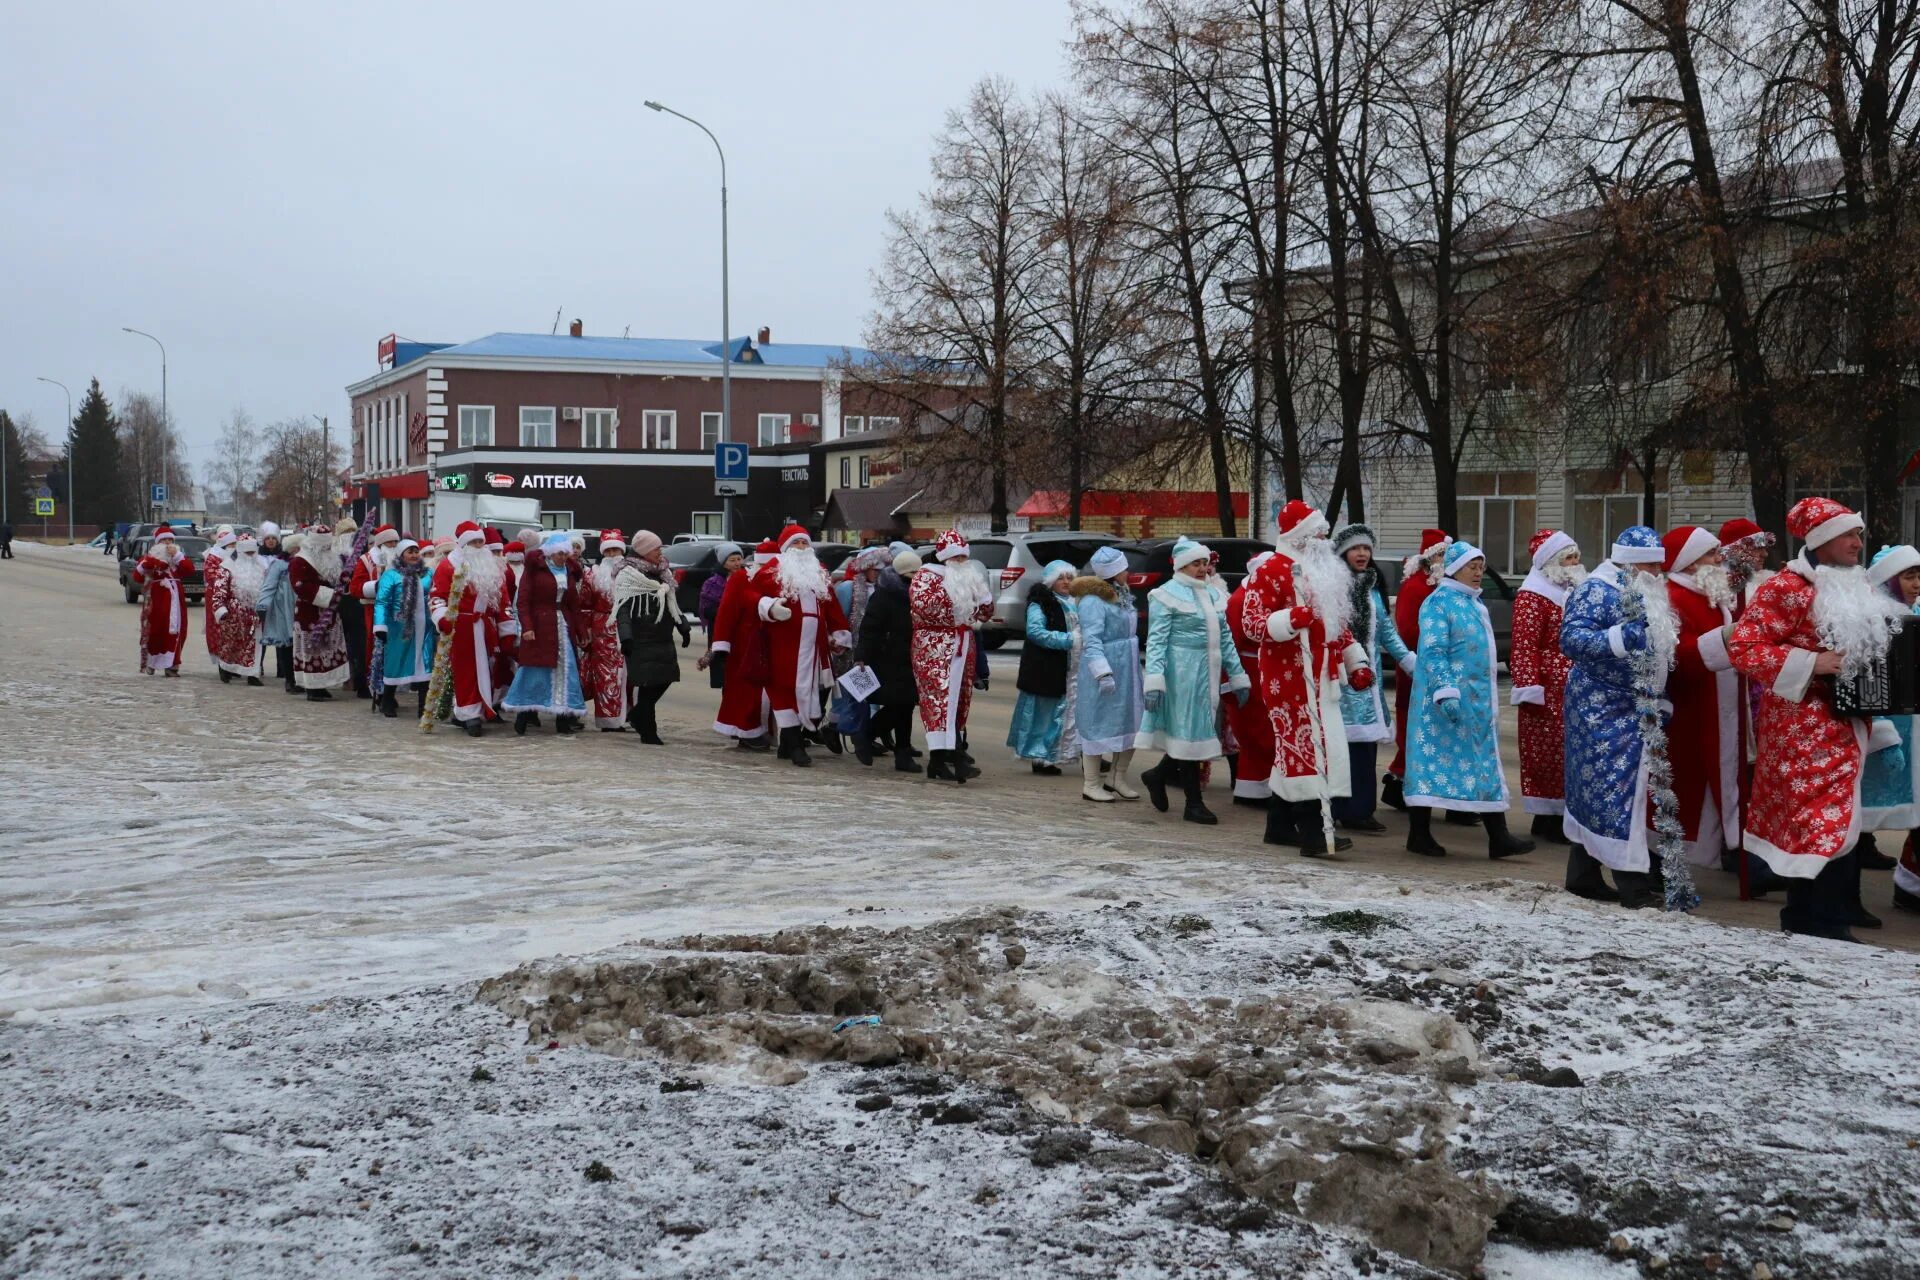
(1455, 763)
(601, 665)
(1536, 662)
(1606, 787)
(1309, 738)
(942, 657)
(1804, 808)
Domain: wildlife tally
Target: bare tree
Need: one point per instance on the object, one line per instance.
(952, 325)
(297, 470)
(152, 451)
(235, 464)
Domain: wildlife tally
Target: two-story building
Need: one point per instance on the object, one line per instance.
(606, 432)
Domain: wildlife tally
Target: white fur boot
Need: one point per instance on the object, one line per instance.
(1090, 787)
(1117, 780)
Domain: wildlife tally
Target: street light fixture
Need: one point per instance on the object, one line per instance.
(165, 450)
(63, 387)
(726, 320)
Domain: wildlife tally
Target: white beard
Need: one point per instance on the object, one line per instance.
(483, 573)
(1851, 617)
(801, 575)
(245, 573)
(606, 571)
(1565, 575)
(1324, 584)
(382, 558)
(1716, 584)
(1663, 624)
(317, 550)
(967, 589)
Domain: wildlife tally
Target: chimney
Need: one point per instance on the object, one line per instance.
(574, 329)
(766, 336)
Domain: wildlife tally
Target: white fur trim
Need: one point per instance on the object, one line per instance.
(1893, 564)
(1622, 554)
(949, 553)
(1882, 735)
(1713, 650)
(1312, 526)
(472, 537)
(1353, 657)
(1448, 804)
(1827, 530)
(1529, 695)
(367, 587)
(1239, 680)
(1280, 627)
(1698, 543)
(1544, 806)
(1559, 541)
(1796, 673)
(1154, 684)
(1252, 789)
(1617, 640)
(322, 597)
(1445, 694)
(1189, 555)
(1408, 663)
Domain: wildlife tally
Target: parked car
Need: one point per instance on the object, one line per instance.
(1013, 562)
(1150, 564)
(692, 564)
(1495, 592)
(123, 546)
(697, 537)
(834, 554)
(196, 580)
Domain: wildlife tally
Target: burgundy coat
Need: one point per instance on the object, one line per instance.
(539, 602)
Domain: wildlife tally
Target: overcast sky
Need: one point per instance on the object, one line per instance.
(270, 188)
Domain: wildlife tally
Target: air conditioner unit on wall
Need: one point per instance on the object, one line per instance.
(570, 415)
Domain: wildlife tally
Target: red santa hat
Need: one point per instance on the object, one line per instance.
(1434, 542)
(788, 534)
(384, 535)
(1298, 522)
(226, 539)
(765, 551)
(1543, 546)
(949, 545)
(1737, 528)
(1686, 545)
(495, 538)
(163, 534)
(516, 552)
(467, 532)
(612, 540)
(1818, 521)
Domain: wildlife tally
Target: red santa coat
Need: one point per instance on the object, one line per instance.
(1705, 736)
(163, 615)
(212, 569)
(470, 628)
(1309, 733)
(1251, 727)
(361, 584)
(1539, 689)
(736, 632)
(604, 672)
(1806, 783)
(232, 631)
(943, 656)
(799, 647)
(1414, 591)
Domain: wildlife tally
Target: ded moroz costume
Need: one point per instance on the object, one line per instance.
(161, 575)
(471, 622)
(319, 642)
(1539, 671)
(1706, 731)
(803, 626)
(212, 571)
(605, 673)
(949, 598)
(740, 657)
(231, 617)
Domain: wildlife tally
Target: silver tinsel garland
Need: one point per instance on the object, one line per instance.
(1668, 838)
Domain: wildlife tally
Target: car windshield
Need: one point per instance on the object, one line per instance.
(687, 555)
(191, 546)
(1075, 551)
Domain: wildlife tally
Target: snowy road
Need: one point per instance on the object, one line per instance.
(187, 841)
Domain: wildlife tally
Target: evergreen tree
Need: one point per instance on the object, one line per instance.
(19, 501)
(99, 484)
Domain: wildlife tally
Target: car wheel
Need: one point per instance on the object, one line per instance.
(133, 597)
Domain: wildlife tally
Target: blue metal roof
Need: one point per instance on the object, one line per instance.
(559, 346)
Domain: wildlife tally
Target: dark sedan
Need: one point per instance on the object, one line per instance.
(195, 581)
(1150, 564)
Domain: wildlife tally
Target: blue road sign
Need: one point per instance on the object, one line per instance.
(729, 461)
(159, 498)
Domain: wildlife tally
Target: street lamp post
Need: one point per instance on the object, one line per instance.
(726, 320)
(63, 387)
(165, 450)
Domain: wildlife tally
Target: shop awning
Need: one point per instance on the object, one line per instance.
(408, 484)
(1160, 504)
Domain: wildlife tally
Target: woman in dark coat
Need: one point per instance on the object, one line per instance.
(647, 609)
(552, 630)
(886, 646)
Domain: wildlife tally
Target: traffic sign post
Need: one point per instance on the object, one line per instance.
(730, 466)
(43, 507)
(160, 496)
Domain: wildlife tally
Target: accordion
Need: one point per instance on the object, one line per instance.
(1887, 686)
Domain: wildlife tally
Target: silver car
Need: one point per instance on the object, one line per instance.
(1013, 562)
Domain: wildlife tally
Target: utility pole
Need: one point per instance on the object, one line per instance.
(165, 449)
(63, 387)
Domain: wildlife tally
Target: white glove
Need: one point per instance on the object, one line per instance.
(778, 611)
(220, 614)
(380, 630)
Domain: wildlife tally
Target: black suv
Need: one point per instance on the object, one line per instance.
(195, 581)
(1150, 564)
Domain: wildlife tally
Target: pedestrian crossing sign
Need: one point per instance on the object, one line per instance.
(43, 506)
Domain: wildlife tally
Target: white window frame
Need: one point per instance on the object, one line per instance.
(551, 520)
(709, 522)
(853, 425)
(775, 428)
(651, 436)
(552, 424)
(473, 439)
(613, 428)
(882, 424)
(866, 471)
(846, 472)
(709, 430)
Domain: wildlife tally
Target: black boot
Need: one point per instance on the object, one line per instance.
(829, 737)
(420, 703)
(1550, 827)
(756, 743)
(254, 681)
(1871, 859)
(1313, 835)
(946, 766)
(1455, 818)
(1637, 890)
(319, 695)
(1196, 810)
(389, 703)
(1420, 833)
(524, 721)
(1904, 901)
(1502, 843)
(1857, 914)
(1155, 781)
(903, 761)
(793, 747)
(477, 726)
(1254, 802)
(226, 676)
(1391, 794)
(1282, 829)
(862, 736)
(1046, 770)
(1586, 879)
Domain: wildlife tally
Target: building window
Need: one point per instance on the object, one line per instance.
(476, 426)
(1497, 510)
(846, 473)
(657, 429)
(598, 428)
(853, 426)
(1607, 502)
(555, 520)
(536, 428)
(774, 428)
(709, 430)
(866, 472)
(709, 522)
(882, 424)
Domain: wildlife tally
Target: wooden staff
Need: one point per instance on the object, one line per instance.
(438, 682)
